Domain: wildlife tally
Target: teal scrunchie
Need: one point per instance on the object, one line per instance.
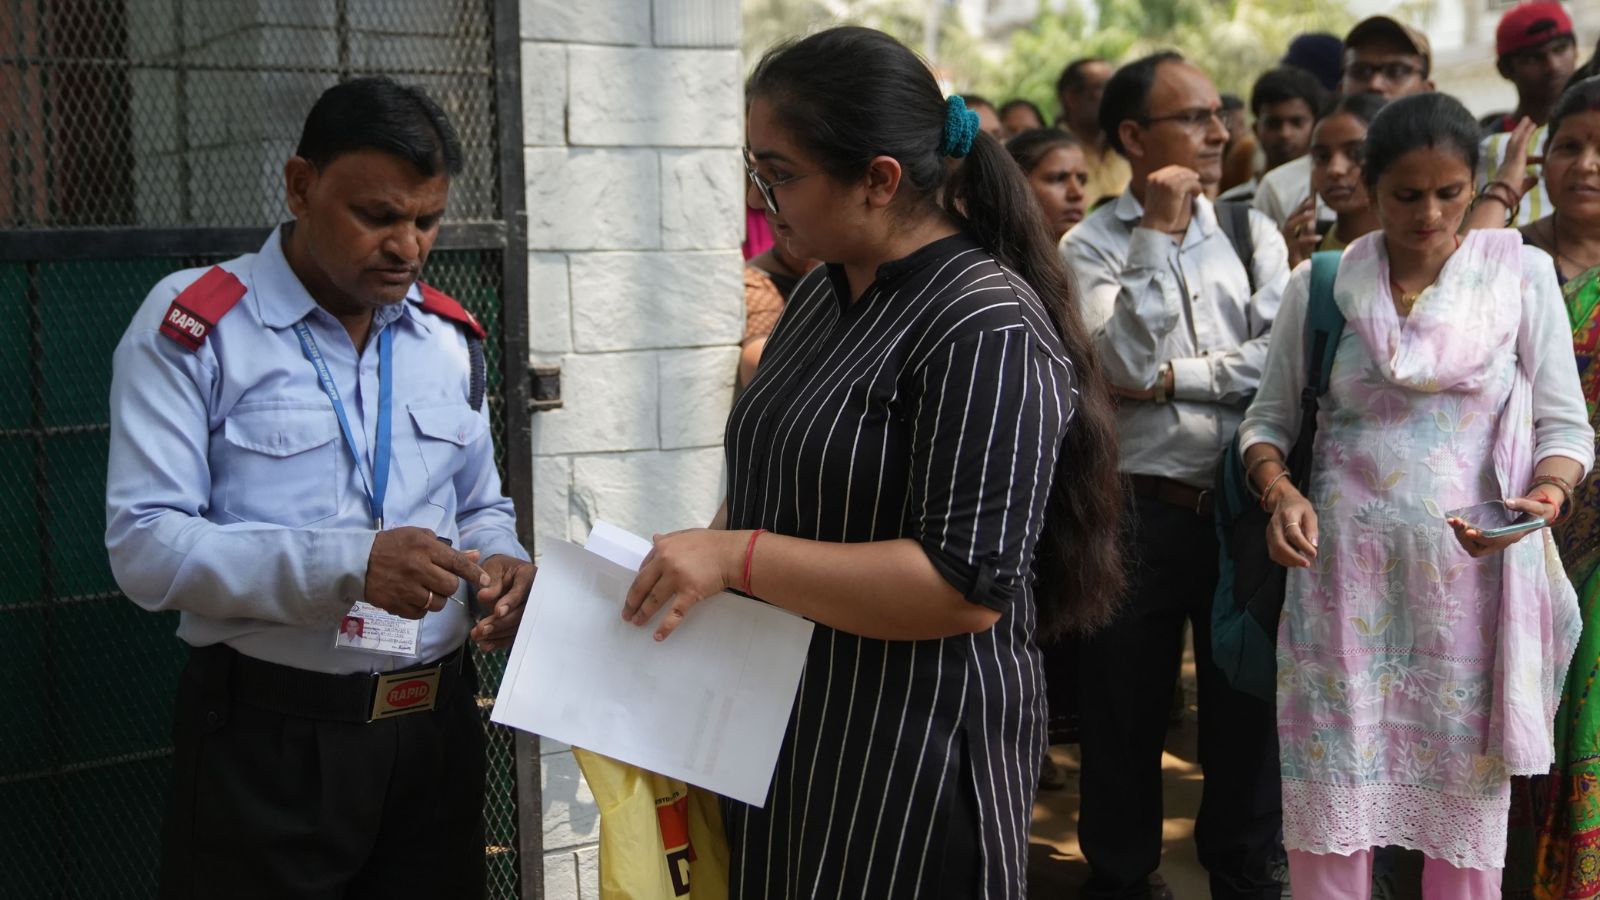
(960, 127)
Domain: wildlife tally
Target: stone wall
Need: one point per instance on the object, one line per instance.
(632, 116)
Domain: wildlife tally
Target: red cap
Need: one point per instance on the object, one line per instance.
(1529, 25)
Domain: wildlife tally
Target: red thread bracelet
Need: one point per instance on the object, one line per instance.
(750, 556)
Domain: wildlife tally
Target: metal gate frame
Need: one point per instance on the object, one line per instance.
(508, 236)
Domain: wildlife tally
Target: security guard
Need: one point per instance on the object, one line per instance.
(297, 437)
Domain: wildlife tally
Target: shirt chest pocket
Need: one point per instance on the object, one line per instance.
(444, 430)
(282, 465)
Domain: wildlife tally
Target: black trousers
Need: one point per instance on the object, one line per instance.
(267, 805)
(1126, 676)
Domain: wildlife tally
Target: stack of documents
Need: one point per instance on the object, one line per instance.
(708, 705)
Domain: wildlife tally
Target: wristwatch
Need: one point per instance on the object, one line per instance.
(1159, 392)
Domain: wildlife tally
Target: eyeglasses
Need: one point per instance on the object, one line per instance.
(766, 187)
(1193, 119)
(1392, 71)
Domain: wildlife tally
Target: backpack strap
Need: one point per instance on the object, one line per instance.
(199, 307)
(447, 307)
(1324, 321)
(1234, 220)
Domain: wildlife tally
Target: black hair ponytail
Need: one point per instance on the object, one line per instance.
(851, 94)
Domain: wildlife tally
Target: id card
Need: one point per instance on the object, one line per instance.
(366, 627)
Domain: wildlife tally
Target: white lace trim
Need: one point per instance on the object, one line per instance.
(1466, 832)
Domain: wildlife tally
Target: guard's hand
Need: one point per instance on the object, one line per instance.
(684, 568)
(1168, 194)
(1292, 530)
(411, 572)
(503, 599)
(1476, 545)
(1300, 232)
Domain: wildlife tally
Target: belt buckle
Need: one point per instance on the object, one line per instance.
(403, 693)
(1200, 501)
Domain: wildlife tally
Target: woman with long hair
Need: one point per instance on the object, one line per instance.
(1420, 651)
(924, 466)
(1336, 142)
(1555, 820)
(1058, 172)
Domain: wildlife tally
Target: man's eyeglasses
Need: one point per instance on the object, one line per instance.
(766, 187)
(1394, 72)
(1192, 119)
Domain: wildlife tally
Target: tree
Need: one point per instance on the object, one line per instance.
(1232, 40)
(961, 63)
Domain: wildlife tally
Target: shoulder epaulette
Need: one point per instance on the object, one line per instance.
(199, 307)
(446, 306)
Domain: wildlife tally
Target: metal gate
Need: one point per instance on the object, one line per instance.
(141, 137)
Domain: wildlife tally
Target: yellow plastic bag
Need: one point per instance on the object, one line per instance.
(660, 839)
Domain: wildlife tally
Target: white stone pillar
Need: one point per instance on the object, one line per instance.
(632, 116)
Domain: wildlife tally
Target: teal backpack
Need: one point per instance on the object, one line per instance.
(1250, 586)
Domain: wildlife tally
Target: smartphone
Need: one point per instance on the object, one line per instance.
(1494, 519)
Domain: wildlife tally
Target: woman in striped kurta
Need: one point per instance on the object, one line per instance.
(926, 434)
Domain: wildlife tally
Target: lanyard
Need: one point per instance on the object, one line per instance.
(380, 463)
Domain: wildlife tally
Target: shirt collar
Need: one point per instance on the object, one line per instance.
(282, 300)
(1129, 211)
(895, 271)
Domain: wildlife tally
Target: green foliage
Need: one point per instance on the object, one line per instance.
(1234, 40)
(962, 59)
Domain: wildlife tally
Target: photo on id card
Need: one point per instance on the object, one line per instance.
(366, 627)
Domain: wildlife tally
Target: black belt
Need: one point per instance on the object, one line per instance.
(1199, 501)
(359, 697)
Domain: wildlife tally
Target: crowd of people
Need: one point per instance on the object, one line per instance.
(1424, 699)
(985, 389)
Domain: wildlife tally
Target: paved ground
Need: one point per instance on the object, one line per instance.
(1056, 869)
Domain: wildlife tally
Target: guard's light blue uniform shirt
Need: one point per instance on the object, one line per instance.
(232, 497)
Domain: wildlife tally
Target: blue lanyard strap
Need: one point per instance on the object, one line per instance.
(379, 486)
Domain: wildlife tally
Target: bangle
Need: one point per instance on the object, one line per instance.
(1249, 472)
(750, 556)
(1266, 492)
(1159, 392)
(1557, 480)
(1511, 189)
(1490, 195)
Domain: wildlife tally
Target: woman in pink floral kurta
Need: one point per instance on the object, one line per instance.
(1419, 663)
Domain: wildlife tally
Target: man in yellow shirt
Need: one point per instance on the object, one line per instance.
(1078, 91)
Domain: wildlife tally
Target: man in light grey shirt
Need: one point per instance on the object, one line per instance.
(1180, 312)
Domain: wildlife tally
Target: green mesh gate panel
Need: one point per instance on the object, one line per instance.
(139, 137)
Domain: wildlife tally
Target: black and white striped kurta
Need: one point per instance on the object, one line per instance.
(933, 408)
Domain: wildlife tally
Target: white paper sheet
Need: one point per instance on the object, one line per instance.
(708, 705)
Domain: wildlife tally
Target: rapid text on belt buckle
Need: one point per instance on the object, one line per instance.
(403, 693)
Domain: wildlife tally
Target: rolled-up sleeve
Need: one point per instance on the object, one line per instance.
(1142, 304)
(989, 419)
(1544, 343)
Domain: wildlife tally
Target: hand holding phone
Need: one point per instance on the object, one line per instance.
(1493, 519)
